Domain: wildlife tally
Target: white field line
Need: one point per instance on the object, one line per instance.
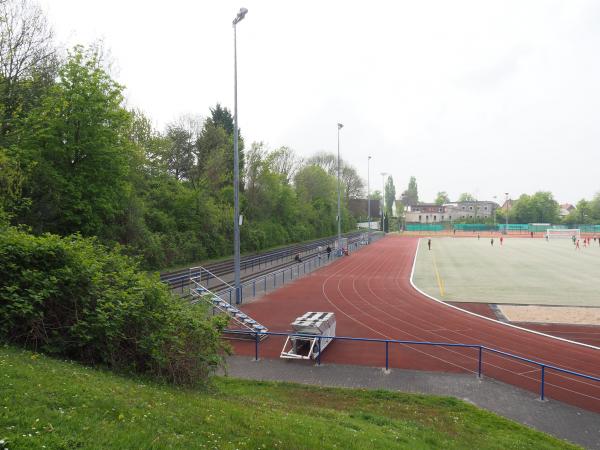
(412, 273)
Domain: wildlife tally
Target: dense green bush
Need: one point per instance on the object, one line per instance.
(73, 297)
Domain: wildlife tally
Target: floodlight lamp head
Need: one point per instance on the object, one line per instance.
(240, 15)
(340, 126)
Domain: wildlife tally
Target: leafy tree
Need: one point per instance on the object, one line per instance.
(410, 197)
(441, 198)
(584, 212)
(179, 155)
(538, 208)
(595, 207)
(153, 146)
(390, 196)
(221, 118)
(78, 144)
(11, 185)
(466, 197)
(28, 61)
(285, 162)
(376, 195)
(326, 161)
(318, 189)
(215, 159)
(314, 184)
(352, 183)
(75, 298)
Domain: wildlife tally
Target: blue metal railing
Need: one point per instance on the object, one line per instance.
(312, 263)
(271, 257)
(480, 349)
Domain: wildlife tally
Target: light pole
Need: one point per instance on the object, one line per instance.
(495, 198)
(383, 174)
(369, 199)
(506, 221)
(339, 217)
(236, 169)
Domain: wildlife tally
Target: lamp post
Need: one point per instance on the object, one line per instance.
(383, 174)
(339, 217)
(369, 200)
(495, 198)
(506, 218)
(236, 170)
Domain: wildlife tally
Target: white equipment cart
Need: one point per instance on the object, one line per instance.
(312, 323)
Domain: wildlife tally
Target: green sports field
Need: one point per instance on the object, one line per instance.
(522, 271)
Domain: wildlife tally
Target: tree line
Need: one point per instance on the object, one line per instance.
(540, 207)
(74, 159)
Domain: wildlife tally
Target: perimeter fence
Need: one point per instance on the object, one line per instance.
(265, 283)
(511, 228)
(479, 350)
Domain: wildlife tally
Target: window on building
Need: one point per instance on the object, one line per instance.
(470, 208)
(485, 208)
(442, 219)
(463, 207)
(419, 218)
(434, 218)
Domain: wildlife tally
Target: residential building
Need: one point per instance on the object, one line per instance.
(565, 209)
(450, 212)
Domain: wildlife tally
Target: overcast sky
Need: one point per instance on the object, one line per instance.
(477, 96)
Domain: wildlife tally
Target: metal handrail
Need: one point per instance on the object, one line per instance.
(269, 257)
(199, 277)
(387, 342)
(277, 272)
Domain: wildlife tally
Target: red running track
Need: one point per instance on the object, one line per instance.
(371, 295)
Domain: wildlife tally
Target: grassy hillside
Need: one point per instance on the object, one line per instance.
(45, 403)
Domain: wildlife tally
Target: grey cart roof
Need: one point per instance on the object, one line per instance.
(314, 322)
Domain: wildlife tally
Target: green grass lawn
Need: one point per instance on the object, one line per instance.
(46, 403)
(522, 271)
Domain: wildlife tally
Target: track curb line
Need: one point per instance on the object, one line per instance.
(412, 273)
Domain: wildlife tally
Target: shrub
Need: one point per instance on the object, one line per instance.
(76, 298)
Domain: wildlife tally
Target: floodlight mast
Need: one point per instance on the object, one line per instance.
(383, 174)
(339, 217)
(240, 16)
(369, 199)
(506, 217)
(236, 169)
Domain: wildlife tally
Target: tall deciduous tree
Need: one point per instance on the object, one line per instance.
(466, 197)
(595, 206)
(79, 140)
(180, 153)
(215, 149)
(390, 196)
(326, 161)
(285, 162)
(537, 208)
(11, 184)
(442, 197)
(352, 184)
(28, 62)
(410, 196)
